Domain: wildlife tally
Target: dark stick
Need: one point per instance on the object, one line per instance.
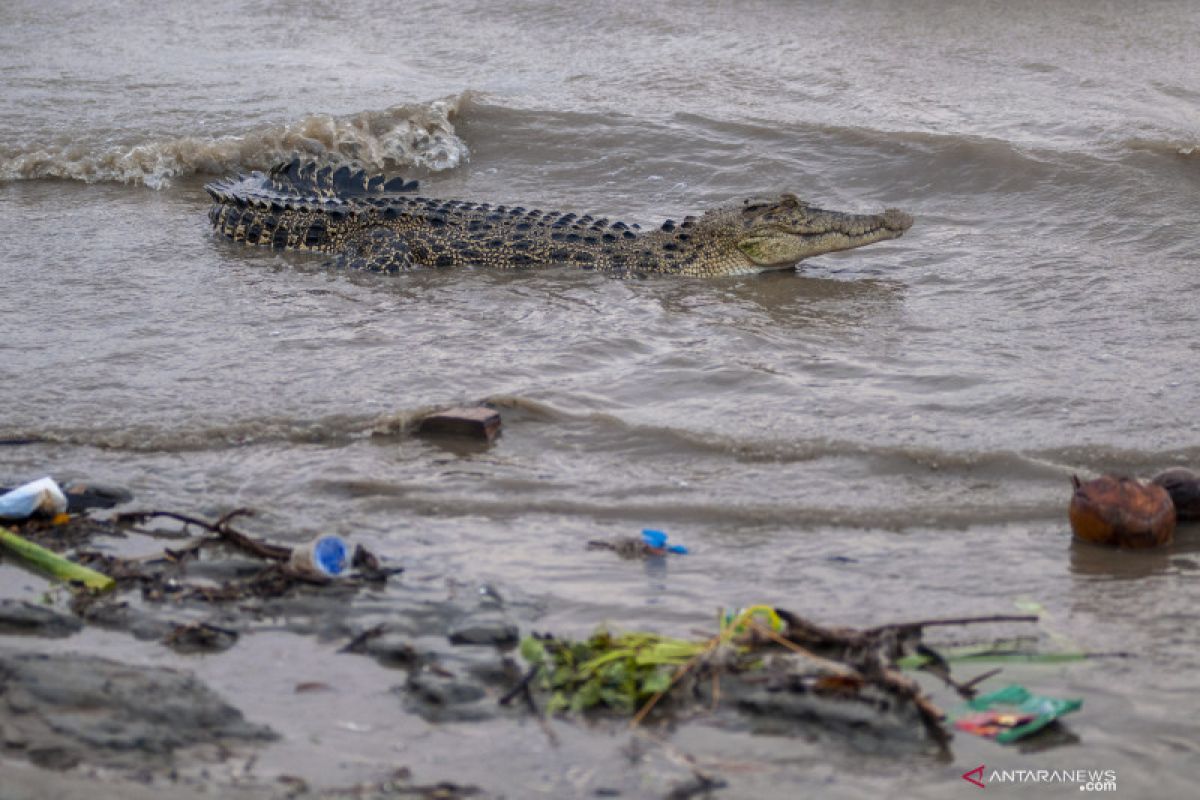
(271, 552)
(522, 687)
(355, 645)
(237, 512)
(978, 679)
(939, 667)
(142, 516)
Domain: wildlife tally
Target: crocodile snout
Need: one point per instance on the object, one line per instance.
(896, 220)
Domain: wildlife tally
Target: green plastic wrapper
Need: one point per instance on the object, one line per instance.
(1011, 713)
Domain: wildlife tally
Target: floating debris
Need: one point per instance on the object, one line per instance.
(1011, 713)
(658, 541)
(618, 672)
(477, 422)
(164, 577)
(42, 496)
(1121, 512)
(51, 563)
(651, 543)
(763, 658)
(1184, 487)
(324, 556)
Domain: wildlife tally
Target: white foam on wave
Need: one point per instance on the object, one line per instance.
(401, 136)
(1165, 146)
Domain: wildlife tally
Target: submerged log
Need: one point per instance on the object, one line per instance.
(1121, 512)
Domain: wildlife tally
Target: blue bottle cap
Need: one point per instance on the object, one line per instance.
(329, 554)
(654, 538)
(658, 540)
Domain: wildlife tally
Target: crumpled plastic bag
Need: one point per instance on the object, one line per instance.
(41, 496)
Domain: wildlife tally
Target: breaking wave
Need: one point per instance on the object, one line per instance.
(420, 136)
(1170, 147)
(330, 429)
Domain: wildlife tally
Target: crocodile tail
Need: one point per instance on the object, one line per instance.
(307, 185)
(311, 178)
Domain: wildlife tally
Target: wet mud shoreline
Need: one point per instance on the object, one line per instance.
(448, 658)
(63, 710)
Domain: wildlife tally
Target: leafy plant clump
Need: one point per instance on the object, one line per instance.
(617, 672)
(633, 671)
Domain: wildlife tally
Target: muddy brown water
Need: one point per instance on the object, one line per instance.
(882, 434)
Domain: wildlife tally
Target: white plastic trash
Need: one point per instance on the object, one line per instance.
(42, 495)
(325, 555)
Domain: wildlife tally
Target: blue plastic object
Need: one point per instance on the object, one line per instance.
(658, 540)
(329, 555)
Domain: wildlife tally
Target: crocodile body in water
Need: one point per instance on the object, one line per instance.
(369, 222)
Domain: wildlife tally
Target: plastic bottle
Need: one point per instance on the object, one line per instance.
(325, 555)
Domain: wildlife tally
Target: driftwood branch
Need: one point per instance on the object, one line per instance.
(248, 544)
(872, 652)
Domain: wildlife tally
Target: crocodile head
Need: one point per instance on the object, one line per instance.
(776, 233)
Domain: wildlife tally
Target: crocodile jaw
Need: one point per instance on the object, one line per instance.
(779, 247)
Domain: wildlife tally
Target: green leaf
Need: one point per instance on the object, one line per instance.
(657, 681)
(617, 700)
(670, 652)
(558, 702)
(533, 651)
(604, 658)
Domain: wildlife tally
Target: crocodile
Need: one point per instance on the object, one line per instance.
(366, 221)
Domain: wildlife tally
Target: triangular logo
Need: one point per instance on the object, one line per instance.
(978, 776)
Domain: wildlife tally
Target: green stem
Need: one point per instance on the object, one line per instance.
(917, 661)
(47, 561)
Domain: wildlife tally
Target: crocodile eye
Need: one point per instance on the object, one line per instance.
(789, 200)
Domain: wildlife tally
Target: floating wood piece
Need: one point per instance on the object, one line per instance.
(477, 422)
